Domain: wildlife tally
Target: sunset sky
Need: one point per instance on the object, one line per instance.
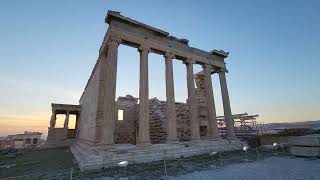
(48, 50)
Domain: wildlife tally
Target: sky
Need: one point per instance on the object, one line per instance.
(49, 48)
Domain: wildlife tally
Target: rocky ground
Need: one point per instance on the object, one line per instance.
(33, 161)
(261, 164)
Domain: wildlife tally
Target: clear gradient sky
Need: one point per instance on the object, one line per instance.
(48, 50)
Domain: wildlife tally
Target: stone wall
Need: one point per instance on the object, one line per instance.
(126, 129)
(157, 120)
(201, 100)
(89, 103)
(183, 121)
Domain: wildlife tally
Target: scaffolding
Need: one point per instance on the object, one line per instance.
(245, 125)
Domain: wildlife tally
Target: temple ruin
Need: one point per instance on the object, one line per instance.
(148, 129)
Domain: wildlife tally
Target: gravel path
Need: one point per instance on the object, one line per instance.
(273, 168)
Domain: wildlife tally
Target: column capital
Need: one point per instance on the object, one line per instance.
(114, 42)
(221, 70)
(144, 48)
(115, 39)
(213, 69)
(189, 61)
(207, 66)
(169, 55)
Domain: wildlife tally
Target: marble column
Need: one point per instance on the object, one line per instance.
(66, 121)
(144, 134)
(53, 119)
(105, 130)
(226, 105)
(212, 117)
(171, 107)
(193, 108)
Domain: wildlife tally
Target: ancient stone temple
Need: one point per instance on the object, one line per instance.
(140, 129)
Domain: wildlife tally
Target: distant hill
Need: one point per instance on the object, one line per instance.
(304, 124)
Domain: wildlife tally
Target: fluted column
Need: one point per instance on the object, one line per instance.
(66, 121)
(171, 107)
(212, 117)
(144, 134)
(105, 129)
(193, 108)
(53, 119)
(226, 105)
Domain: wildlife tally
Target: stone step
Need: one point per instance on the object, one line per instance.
(310, 140)
(305, 151)
(111, 155)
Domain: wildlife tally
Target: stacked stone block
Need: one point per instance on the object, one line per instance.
(157, 115)
(183, 122)
(125, 131)
(308, 146)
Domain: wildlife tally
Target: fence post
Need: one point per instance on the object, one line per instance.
(258, 157)
(246, 156)
(283, 149)
(71, 173)
(220, 159)
(164, 162)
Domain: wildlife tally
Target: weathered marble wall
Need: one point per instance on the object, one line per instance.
(183, 122)
(157, 121)
(126, 130)
(89, 103)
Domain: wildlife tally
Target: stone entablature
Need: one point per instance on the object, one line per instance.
(135, 34)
